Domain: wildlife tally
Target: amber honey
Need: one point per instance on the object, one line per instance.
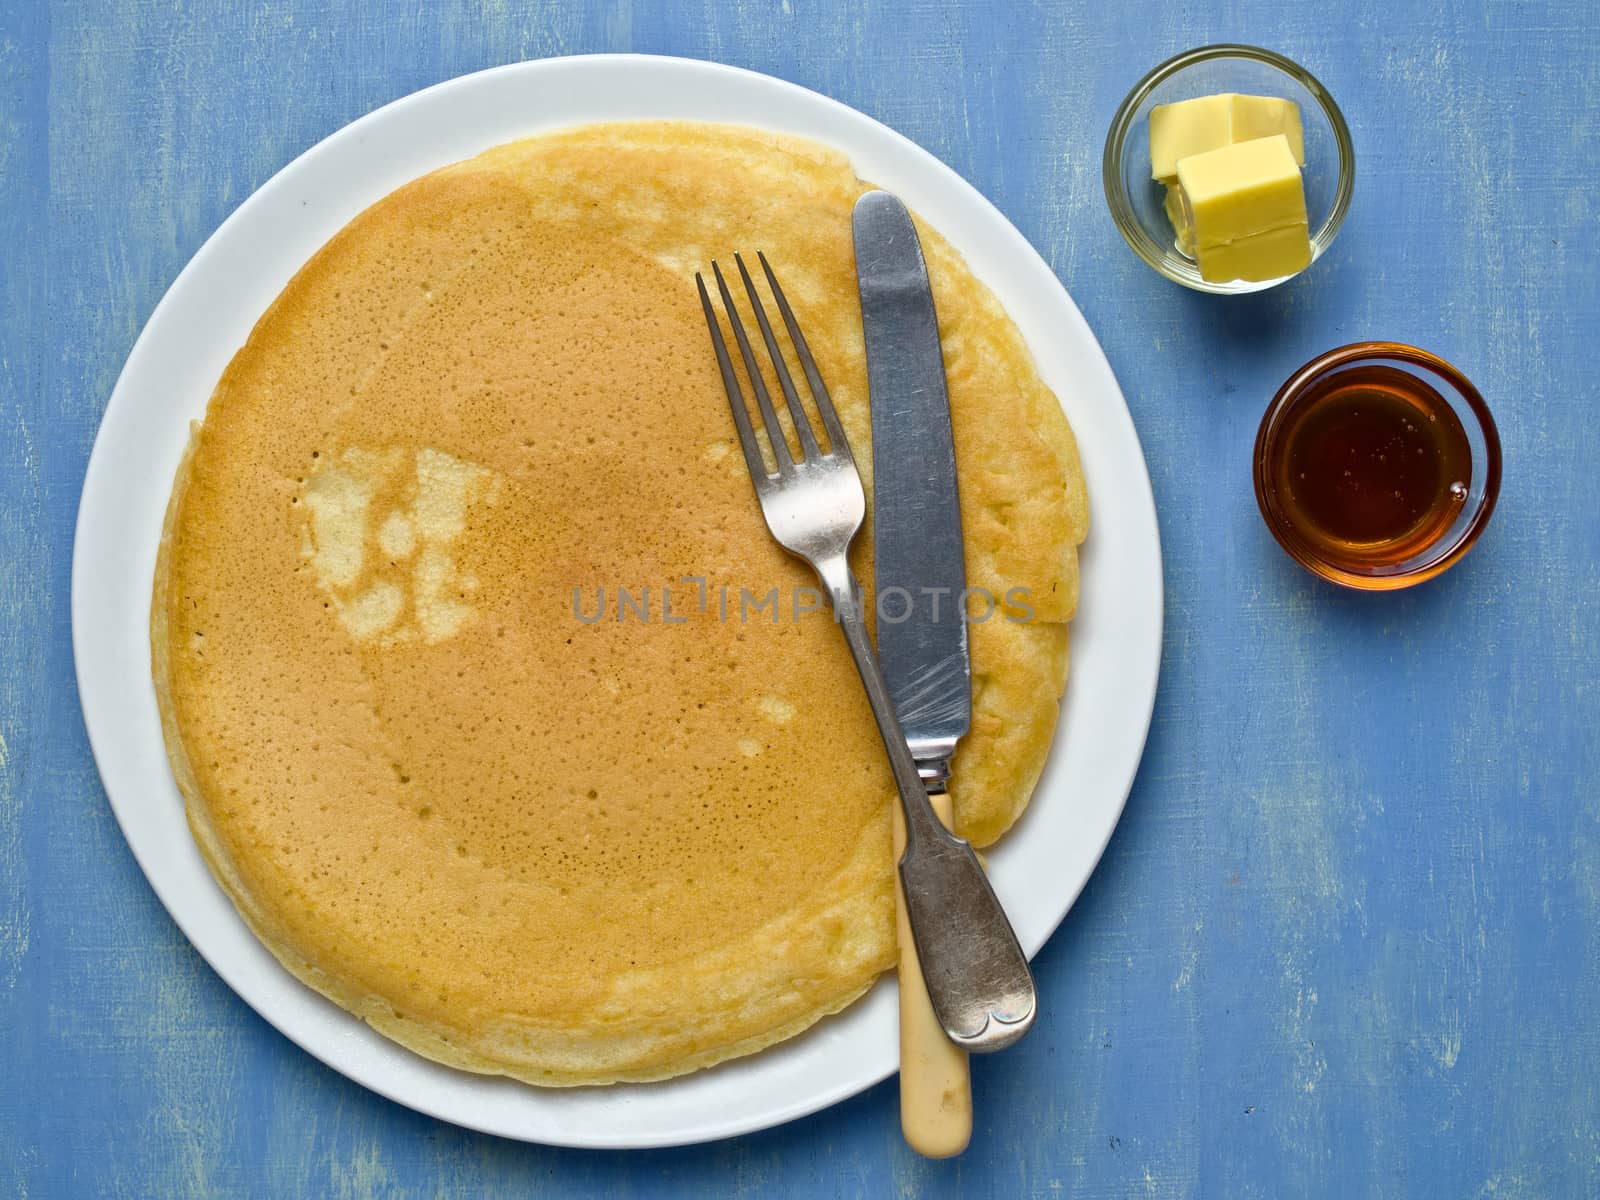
(1372, 464)
(1365, 465)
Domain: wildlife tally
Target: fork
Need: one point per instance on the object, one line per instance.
(977, 976)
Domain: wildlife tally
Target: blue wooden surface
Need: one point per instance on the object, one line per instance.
(1345, 940)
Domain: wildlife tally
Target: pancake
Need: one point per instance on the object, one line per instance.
(430, 744)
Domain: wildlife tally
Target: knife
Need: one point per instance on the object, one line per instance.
(922, 632)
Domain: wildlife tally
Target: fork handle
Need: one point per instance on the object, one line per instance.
(977, 975)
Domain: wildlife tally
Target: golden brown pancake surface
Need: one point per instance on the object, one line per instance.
(513, 834)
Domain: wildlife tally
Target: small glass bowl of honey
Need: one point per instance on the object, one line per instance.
(1377, 465)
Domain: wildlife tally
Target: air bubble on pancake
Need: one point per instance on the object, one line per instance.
(715, 452)
(373, 611)
(438, 615)
(749, 747)
(368, 593)
(776, 709)
(445, 485)
(338, 500)
(397, 536)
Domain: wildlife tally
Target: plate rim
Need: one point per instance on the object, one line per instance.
(98, 488)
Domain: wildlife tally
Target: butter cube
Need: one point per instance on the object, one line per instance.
(1190, 127)
(1269, 255)
(1262, 116)
(1246, 205)
(1211, 122)
(1183, 232)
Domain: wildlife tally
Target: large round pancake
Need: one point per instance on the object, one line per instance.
(510, 836)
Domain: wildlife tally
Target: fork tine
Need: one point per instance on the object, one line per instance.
(837, 442)
(780, 448)
(730, 384)
(802, 423)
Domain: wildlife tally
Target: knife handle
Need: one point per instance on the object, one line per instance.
(935, 1084)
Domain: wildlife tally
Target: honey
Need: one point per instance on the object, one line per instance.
(1371, 465)
(1377, 465)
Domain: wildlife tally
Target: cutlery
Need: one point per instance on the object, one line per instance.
(814, 504)
(918, 557)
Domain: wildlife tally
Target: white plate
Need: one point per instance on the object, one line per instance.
(206, 316)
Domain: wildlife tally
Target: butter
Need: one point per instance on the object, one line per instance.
(1246, 206)
(1183, 232)
(1190, 127)
(1269, 255)
(1212, 122)
(1262, 116)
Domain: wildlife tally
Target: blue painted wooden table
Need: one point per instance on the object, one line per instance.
(1345, 942)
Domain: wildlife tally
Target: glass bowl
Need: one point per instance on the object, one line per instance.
(1137, 201)
(1432, 377)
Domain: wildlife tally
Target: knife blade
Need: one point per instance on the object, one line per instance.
(916, 515)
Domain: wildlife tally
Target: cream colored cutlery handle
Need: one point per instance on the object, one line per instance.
(935, 1087)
